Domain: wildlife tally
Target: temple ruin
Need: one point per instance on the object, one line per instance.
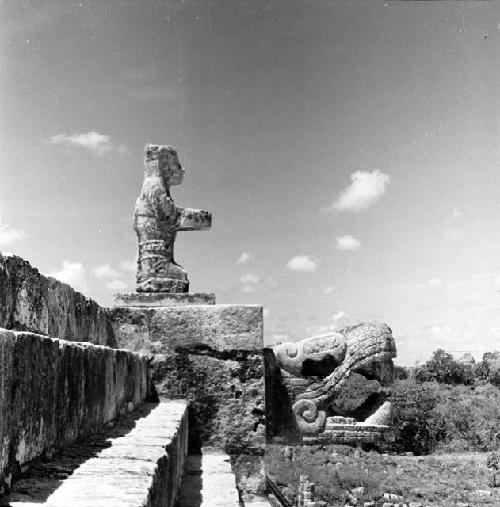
(110, 406)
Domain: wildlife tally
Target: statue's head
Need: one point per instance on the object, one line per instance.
(165, 158)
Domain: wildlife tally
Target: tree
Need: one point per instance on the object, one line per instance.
(413, 413)
(443, 368)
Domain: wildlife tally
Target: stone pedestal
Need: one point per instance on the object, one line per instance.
(156, 299)
(209, 354)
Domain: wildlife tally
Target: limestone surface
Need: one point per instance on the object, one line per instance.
(333, 380)
(157, 220)
(54, 391)
(32, 302)
(156, 299)
(142, 467)
(219, 327)
(210, 355)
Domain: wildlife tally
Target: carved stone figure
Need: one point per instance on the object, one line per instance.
(336, 383)
(157, 220)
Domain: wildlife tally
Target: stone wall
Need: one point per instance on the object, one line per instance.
(54, 391)
(137, 463)
(210, 355)
(32, 302)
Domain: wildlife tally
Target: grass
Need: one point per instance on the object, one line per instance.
(438, 480)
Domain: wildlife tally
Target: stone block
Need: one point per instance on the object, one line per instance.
(220, 328)
(155, 299)
(210, 355)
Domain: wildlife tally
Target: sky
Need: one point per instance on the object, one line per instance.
(349, 153)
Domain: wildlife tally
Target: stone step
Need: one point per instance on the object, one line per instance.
(141, 468)
(208, 481)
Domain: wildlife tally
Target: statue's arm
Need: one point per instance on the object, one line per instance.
(190, 219)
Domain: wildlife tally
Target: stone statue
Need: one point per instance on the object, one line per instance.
(336, 383)
(157, 220)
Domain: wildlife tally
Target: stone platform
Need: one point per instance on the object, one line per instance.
(348, 431)
(210, 355)
(160, 299)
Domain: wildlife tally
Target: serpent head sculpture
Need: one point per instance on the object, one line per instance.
(317, 370)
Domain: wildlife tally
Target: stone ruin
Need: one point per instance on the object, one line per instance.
(332, 388)
(197, 344)
(123, 397)
(305, 497)
(164, 374)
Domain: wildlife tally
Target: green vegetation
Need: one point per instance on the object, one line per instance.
(339, 474)
(447, 417)
(447, 406)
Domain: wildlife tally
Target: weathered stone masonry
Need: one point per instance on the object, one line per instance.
(210, 355)
(30, 301)
(54, 391)
(58, 382)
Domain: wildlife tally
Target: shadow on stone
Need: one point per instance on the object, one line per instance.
(280, 424)
(192, 483)
(46, 475)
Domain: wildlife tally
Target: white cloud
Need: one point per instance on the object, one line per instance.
(105, 271)
(436, 283)
(116, 285)
(98, 144)
(9, 235)
(266, 312)
(249, 278)
(303, 263)
(347, 243)
(244, 258)
(72, 273)
(128, 266)
(365, 189)
(329, 290)
(441, 332)
(249, 288)
(315, 330)
(250, 282)
(323, 329)
(339, 316)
